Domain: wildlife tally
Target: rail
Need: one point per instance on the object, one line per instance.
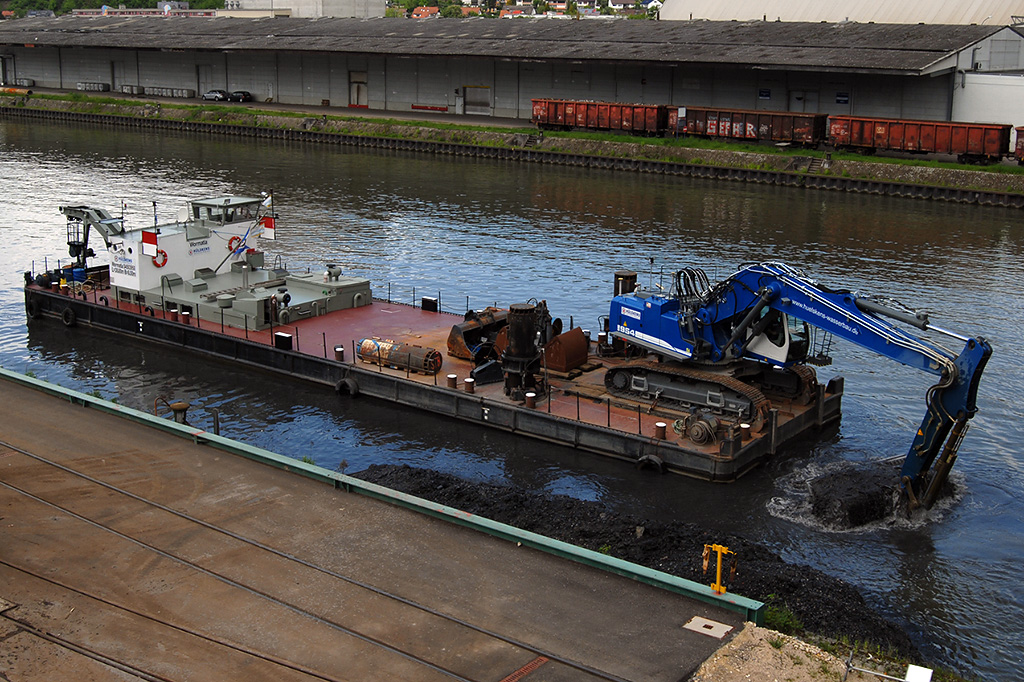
(751, 609)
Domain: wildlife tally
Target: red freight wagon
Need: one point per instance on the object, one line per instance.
(971, 142)
(743, 124)
(649, 119)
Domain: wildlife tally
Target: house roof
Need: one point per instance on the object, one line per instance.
(886, 48)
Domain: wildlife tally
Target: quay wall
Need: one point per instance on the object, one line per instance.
(917, 182)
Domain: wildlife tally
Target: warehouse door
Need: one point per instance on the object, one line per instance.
(478, 99)
(804, 101)
(204, 78)
(358, 95)
(6, 69)
(116, 76)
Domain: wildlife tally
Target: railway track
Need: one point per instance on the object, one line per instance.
(202, 593)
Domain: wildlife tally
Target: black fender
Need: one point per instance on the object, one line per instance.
(348, 386)
(69, 317)
(652, 463)
(32, 308)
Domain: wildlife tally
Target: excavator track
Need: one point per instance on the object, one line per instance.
(620, 382)
(808, 383)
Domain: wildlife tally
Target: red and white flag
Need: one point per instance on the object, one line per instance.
(268, 224)
(149, 242)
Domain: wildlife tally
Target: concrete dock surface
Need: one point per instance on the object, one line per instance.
(128, 553)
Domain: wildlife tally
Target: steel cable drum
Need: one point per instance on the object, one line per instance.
(400, 355)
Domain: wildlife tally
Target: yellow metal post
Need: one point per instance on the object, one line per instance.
(720, 550)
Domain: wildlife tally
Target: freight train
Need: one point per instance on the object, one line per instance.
(969, 142)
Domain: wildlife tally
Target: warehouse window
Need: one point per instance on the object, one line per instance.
(1004, 55)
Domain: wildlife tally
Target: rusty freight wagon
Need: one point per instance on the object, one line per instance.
(643, 119)
(762, 126)
(970, 142)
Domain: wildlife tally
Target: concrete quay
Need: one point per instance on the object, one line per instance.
(130, 552)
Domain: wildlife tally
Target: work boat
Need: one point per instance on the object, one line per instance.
(205, 264)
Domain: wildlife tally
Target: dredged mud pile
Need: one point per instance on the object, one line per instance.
(825, 605)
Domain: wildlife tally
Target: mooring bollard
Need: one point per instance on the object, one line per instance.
(659, 430)
(470, 384)
(531, 400)
(453, 380)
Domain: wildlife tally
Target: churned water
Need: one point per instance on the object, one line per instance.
(483, 232)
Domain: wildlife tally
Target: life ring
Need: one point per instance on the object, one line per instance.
(234, 242)
(160, 259)
(32, 308)
(69, 317)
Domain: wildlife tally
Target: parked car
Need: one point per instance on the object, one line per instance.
(216, 95)
(240, 96)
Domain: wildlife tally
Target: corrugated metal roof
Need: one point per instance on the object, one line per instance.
(988, 12)
(844, 46)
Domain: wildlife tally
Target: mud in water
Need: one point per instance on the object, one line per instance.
(856, 496)
(825, 605)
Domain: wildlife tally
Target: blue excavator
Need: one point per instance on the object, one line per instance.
(724, 347)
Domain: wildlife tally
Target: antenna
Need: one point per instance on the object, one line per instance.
(650, 273)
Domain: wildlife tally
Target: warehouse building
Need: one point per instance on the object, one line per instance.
(494, 67)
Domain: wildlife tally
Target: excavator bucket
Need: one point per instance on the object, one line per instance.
(468, 339)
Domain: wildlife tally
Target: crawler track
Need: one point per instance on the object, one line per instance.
(338, 624)
(757, 408)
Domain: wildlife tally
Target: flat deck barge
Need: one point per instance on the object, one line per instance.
(132, 550)
(577, 412)
(198, 284)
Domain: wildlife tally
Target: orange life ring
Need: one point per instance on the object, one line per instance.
(234, 242)
(160, 259)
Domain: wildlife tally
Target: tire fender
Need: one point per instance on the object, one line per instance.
(32, 308)
(347, 385)
(69, 317)
(652, 463)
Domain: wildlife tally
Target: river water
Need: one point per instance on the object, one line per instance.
(482, 232)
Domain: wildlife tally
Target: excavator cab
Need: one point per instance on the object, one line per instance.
(778, 338)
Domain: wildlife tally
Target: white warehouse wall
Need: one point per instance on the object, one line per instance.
(989, 98)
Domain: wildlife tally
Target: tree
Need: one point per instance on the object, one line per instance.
(452, 11)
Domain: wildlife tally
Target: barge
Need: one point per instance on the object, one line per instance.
(203, 283)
